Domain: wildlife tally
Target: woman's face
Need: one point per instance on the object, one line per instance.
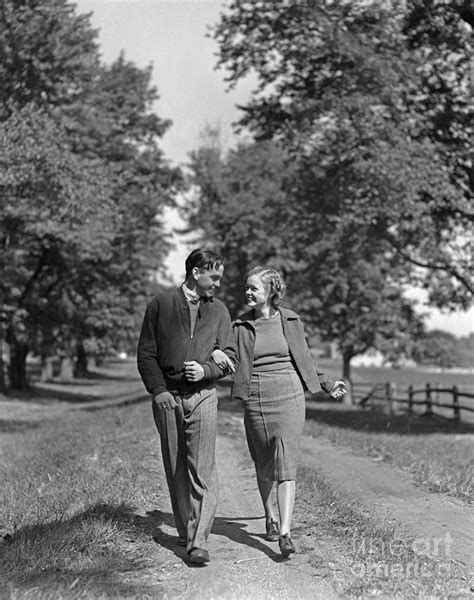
(256, 292)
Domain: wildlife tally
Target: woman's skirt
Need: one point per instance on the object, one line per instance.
(274, 421)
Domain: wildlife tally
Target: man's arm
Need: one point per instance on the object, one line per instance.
(147, 354)
(225, 342)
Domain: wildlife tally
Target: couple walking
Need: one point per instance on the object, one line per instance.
(187, 342)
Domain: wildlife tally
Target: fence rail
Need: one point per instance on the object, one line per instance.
(408, 399)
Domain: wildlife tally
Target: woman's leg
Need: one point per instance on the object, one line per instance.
(286, 501)
(265, 488)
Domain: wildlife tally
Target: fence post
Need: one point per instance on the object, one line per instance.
(388, 395)
(456, 403)
(429, 405)
(410, 399)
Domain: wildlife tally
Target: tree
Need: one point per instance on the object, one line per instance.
(346, 86)
(247, 203)
(436, 347)
(240, 201)
(115, 124)
(49, 54)
(84, 186)
(51, 219)
(465, 351)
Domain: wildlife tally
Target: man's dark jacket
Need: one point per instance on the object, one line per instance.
(166, 342)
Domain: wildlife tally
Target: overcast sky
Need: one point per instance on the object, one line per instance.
(171, 36)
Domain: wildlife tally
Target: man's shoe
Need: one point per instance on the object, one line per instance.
(199, 556)
(182, 541)
(273, 531)
(286, 545)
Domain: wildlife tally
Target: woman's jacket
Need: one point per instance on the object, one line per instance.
(244, 331)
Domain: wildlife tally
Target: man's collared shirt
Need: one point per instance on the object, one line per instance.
(190, 295)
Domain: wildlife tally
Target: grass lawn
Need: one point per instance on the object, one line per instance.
(68, 494)
(417, 377)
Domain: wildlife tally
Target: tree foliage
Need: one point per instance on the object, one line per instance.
(247, 203)
(442, 349)
(83, 183)
(239, 200)
(49, 54)
(373, 101)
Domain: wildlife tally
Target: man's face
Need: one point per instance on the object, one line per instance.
(208, 280)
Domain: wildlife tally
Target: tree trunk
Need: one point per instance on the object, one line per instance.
(47, 368)
(17, 368)
(3, 383)
(66, 372)
(346, 374)
(81, 369)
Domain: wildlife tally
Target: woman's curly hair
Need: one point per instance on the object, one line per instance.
(272, 278)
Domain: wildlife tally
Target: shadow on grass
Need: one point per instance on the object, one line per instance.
(93, 377)
(17, 426)
(72, 396)
(50, 393)
(378, 422)
(104, 551)
(76, 397)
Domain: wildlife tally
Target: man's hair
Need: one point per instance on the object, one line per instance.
(273, 279)
(203, 259)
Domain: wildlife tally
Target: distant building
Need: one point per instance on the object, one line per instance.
(371, 358)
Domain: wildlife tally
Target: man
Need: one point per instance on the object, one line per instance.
(180, 330)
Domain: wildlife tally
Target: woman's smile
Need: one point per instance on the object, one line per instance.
(256, 292)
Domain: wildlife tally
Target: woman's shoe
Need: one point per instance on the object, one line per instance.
(286, 545)
(273, 531)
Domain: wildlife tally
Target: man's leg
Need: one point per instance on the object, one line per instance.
(200, 415)
(170, 425)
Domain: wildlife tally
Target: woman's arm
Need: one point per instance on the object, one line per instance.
(222, 360)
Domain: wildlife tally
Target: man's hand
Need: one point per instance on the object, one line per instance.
(164, 401)
(339, 389)
(222, 360)
(193, 371)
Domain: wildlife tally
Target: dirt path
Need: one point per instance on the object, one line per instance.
(243, 565)
(393, 495)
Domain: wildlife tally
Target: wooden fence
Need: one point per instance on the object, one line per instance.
(428, 401)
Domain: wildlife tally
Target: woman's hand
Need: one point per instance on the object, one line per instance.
(222, 360)
(338, 390)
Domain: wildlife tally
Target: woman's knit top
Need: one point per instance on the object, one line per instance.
(270, 344)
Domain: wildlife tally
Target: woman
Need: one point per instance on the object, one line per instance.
(274, 370)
